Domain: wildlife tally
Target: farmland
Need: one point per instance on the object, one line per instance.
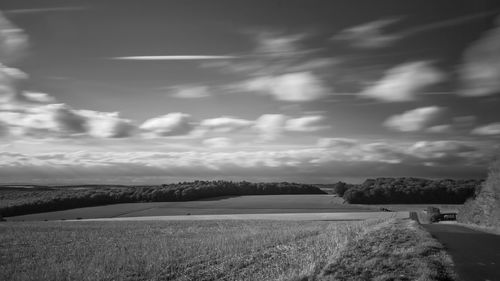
(268, 204)
(250, 250)
(202, 250)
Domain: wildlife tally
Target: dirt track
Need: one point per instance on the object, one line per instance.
(476, 254)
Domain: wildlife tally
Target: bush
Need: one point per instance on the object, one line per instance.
(484, 208)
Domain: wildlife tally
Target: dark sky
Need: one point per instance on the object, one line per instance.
(311, 91)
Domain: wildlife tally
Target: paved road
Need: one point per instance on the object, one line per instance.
(476, 254)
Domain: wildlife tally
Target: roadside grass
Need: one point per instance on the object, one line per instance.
(181, 250)
(394, 250)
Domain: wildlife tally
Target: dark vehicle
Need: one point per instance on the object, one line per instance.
(448, 217)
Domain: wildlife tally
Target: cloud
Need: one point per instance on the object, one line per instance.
(442, 151)
(10, 78)
(270, 126)
(275, 44)
(413, 120)
(346, 158)
(480, 72)
(342, 143)
(293, 87)
(190, 92)
(305, 124)
(225, 124)
(13, 41)
(45, 120)
(107, 124)
(179, 57)
(44, 10)
(219, 142)
(490, 129)
(439, 129)
(369, 35)
(404, 82)
(171, 124)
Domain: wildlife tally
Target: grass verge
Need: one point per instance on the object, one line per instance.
(395, 250)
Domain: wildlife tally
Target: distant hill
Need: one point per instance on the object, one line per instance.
(21, 200)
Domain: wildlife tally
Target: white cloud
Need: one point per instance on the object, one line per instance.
(186, 57)
(404, 82)
(107, 124)
(13, 41)
(305, 124)
(9, 82)
(480, 71)
(369, 35)
(270, 126)
(171, 124)
(296, 87)
(190, 92)
(490, 129)
(342, 143)
(225, 124)
(413, 120)
(305, 164)
(439, 149)
(219, 142)
(39, 97)
(45, 120)
(445, 128)
(273, 44)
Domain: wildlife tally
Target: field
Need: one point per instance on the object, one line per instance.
(395, 249)
(216, 250)
(257, 204)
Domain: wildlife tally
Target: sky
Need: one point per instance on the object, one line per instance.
(149, 92)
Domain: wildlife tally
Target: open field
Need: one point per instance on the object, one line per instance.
(257, 204)
(215, 250)
(279, 217)
(394, 249)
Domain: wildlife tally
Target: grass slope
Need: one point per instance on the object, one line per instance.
(395, 250)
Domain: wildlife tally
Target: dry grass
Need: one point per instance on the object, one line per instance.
(396, 250)
(208, 250)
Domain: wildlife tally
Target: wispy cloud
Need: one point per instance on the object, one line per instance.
(447, 23)
(44, 10)
(180, 57)
(371, 34)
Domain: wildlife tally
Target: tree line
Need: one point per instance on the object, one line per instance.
(20, 202)
(408, 191)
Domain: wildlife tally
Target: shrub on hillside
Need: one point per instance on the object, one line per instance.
(484, 208)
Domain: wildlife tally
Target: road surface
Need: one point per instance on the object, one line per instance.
(476, 254)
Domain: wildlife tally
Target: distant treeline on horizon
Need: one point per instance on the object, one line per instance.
(408, 191)
(21, 200)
